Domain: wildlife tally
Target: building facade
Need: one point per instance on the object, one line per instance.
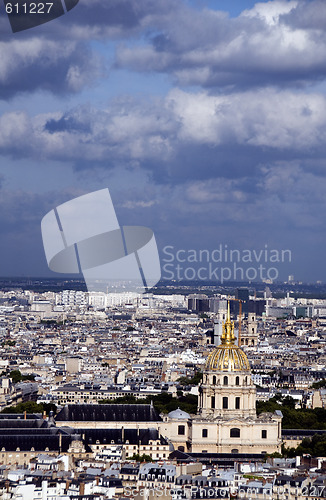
(226, 420)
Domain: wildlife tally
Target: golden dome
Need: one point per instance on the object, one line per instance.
(227, 356)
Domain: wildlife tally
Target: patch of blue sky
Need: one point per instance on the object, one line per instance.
(24, 174)
(232, 7)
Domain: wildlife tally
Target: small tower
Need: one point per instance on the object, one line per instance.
(250, 336)
(227, 390)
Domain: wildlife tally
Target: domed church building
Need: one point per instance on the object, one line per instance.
(226, 420)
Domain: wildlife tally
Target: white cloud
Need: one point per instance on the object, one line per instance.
(156, 130)
(263, 46)
(276, 119)
(270, 11)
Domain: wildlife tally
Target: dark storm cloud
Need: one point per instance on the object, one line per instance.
(66, 124)
(116, 18)
(34, 64)
(21, 248)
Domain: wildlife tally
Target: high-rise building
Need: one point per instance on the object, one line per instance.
(243, 295)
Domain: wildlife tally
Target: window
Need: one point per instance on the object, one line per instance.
(237, 380)
(214, 379)
(237, 403)
(204, 433)
(213, 402)
(264, 434)
(235, 432)
(235, 450)
(181, 430)
(225, 380)
(225, 403)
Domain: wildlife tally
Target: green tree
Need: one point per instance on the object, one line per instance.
(319, 384)
(195, 380)
(163, 403)
(16, 376)
(315, 446)
(141, 458)
(30, 407)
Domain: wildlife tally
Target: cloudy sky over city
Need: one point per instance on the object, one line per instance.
(206, 120)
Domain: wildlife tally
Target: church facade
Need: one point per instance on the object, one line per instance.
(226, 420)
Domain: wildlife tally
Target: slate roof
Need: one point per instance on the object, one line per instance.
(106, 436)
(23, 424)
(108, 413)
(38, 442)
(18, 433)
(21, 416)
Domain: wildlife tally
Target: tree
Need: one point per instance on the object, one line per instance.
(16, 376)
(163, 403)
(141, 458)
(315, 446)
(31, 407)
(195, 380)
(319, 384)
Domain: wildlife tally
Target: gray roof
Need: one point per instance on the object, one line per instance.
(179, 414)
(108, 413)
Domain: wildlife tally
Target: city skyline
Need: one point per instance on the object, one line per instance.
(206, 120)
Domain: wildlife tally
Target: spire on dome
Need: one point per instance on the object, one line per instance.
(228, 329)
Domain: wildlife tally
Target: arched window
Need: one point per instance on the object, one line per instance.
(237, 380)
(214, 380)
(237, 403)
(246, 381)
(234, 432)
(225, 380)
(225, 403)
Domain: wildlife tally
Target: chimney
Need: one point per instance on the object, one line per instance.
(25, 415)
(82, 488)
(44, 415)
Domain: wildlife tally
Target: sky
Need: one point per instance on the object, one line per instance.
(205, 119)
